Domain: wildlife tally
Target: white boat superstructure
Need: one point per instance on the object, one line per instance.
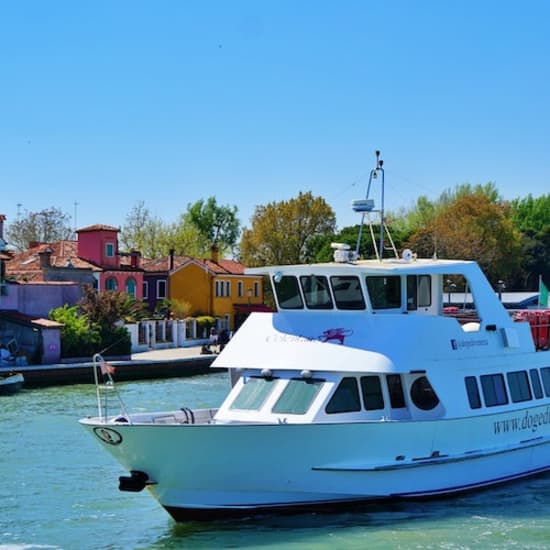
(363, 385)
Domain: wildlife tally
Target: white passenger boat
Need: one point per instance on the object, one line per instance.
(361, 386)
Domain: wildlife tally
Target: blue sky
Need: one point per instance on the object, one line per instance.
(105, 103)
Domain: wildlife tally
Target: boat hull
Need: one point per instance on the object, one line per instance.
(10, 384)
(289, 467)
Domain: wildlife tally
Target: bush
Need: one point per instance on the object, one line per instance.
(79, 337)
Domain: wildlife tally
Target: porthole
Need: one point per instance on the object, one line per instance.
(423, 395)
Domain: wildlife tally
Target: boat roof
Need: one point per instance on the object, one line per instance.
(389, 266)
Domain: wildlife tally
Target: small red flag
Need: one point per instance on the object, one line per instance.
(106, 368)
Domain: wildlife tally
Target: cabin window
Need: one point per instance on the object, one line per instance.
(494, 391)
(345, 398)
(371, 388)
(384, 292)
(419, 291)
(519, 386)
(316, 292)
(423, 395)
(288, 293)
(545, 374)
(395, 389)
(347, 292)
(253, 393)
(473, 392)
(535, 383)
(297, 396)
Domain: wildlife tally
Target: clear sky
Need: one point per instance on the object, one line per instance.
(108, 102)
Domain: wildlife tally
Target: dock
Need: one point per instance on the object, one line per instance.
(147, 365)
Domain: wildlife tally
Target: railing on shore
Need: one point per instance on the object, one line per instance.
(167, 333)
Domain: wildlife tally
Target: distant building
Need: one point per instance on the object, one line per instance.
(214, 286)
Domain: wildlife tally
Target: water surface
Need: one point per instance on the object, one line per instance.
(60, 490)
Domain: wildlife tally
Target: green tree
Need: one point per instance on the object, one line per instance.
(79, 337)
(45, 226)
(285, 232)
(143, 232)
(531, 216)
(215, 224)
(108, 310)
(472, 227)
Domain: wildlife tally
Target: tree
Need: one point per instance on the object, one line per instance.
(45, 226)
(145, 233)
(79, 337)
(472, 227)
(531, 216)
(215, 224)
(107, 310)
(284, 232)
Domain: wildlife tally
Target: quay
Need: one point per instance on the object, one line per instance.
(147, 365)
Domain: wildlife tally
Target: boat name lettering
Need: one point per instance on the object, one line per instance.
(468, 343)
(287, 338)
(528, 421)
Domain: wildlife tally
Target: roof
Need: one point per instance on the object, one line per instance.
(27, 264)
(98, 227)
(221, 267)
(22, 318)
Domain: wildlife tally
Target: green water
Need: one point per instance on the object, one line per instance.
(59, 489)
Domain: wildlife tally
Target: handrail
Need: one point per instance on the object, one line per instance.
(106, 386)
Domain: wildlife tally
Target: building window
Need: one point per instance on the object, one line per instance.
(256, 289)
(222, 288)
(131, 287)
(161, 288)
(494, 391)
(110, 284)
(109, 250)
(145, 290)
(240, 289)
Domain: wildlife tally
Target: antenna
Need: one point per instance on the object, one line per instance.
(366, 206)
(75, 207)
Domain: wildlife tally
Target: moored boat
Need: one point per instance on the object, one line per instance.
(10, 382)
(361, 386)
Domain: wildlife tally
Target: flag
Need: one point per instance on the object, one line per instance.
(106, 368)
(543, 294)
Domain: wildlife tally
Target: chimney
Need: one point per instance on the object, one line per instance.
(45, 258)
(171, 260)
(214, 252)
(135, 256)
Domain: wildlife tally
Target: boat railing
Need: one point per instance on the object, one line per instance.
(106, 390)
(539, 322)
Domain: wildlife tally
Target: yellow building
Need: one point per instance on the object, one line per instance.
(215, 287)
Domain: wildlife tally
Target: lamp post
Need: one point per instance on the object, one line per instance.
(500, 287)
(450, 286)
